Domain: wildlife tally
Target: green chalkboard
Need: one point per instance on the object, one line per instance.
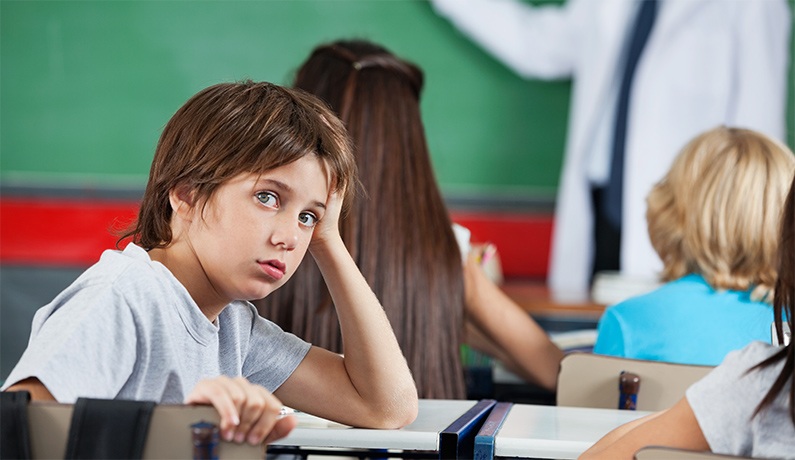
(88, 85)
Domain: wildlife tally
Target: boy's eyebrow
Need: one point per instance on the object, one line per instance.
(281, 185)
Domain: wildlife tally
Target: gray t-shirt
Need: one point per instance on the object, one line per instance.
(127, 329)
(724, 402)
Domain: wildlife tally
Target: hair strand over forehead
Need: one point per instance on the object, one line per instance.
(233, 128)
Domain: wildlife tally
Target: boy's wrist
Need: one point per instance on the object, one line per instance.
(327, 246)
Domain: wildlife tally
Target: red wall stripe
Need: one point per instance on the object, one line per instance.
(74, 232)
(523, 240)
(60, 231)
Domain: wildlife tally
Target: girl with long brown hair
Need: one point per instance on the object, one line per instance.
(398, 229)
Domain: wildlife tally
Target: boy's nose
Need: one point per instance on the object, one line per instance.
(285, 238)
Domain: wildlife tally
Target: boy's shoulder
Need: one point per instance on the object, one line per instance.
(119, 266)
(129, 272)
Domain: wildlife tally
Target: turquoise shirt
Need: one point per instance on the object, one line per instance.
(684, 321)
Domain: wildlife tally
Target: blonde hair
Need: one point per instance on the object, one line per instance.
(717, 210)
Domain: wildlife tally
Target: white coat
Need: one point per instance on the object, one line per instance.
(707, 62)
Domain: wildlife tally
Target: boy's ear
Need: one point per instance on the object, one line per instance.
(182, 199)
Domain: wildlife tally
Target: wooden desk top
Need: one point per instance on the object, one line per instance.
(534, 297)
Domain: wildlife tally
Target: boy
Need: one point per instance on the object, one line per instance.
(246, 177)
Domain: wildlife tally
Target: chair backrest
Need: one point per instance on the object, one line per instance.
(591, 380)
(169, 432)
(670, 453)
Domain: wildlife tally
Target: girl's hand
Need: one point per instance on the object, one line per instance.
(329, 226)
(248, 412)
(476, 282)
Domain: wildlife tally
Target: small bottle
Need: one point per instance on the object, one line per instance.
(205, 441)
(628, 387)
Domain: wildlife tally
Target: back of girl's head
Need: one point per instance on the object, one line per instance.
(399, 230)
(376, 95)
(337, 72)
(233, 128)
(718, 209)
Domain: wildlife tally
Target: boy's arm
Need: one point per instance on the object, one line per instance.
(370, 385)
(37, 390)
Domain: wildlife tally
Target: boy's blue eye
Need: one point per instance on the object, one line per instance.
(267, 198)
(308, 219)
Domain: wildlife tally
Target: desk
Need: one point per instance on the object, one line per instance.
(529, 431)
(534, 297)
(443, 429)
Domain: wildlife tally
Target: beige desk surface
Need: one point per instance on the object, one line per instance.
(531, 431)
(434, 416)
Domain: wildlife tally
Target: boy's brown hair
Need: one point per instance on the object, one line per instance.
(233, 128)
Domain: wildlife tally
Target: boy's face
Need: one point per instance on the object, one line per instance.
(256, 229)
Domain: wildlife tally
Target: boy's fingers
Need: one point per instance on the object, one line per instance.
(217, 393)
(263, 427)
(282, 428)
(256, 407)
(249, 413)
(270, 416)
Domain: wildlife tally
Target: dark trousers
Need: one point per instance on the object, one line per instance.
(607, 238)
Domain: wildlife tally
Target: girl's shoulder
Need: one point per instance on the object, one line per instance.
(752, 354)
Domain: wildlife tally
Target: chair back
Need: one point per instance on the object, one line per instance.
(591, 380)
(169, 434)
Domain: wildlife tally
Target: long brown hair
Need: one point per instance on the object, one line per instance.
(784, 309)
(398, 231)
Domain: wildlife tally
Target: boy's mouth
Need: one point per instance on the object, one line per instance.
(273, 268)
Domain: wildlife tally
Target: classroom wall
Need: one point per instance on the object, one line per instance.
(86, 87)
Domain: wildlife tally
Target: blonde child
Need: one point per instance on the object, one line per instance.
(746, 406)
(713, 220)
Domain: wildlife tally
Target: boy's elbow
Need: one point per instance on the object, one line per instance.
(400, 412)
(409, 411)
(405, 411)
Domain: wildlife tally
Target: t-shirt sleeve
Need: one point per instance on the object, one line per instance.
(610, 335)
(725, 399)
(83, 348)
(273, 354)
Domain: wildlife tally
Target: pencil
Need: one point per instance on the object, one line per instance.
(488, 252)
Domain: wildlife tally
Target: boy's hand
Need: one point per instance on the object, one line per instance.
(248, 412)
(329, 226)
